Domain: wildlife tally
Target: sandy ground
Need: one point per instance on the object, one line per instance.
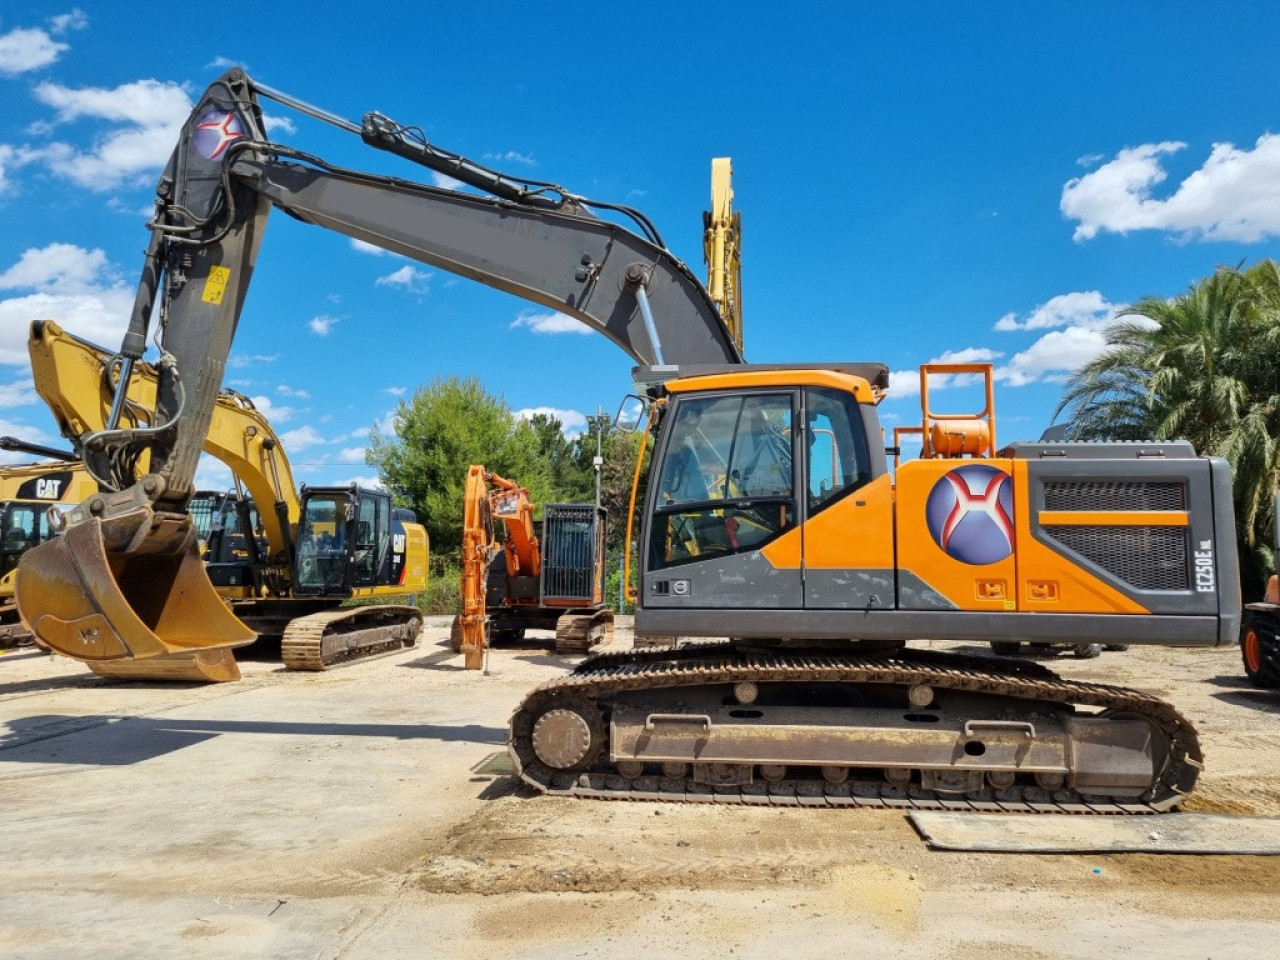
(366, 812)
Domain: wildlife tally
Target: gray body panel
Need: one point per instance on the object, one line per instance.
(1171, 631)
(743, 580)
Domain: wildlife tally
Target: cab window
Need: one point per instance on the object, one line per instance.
(838, 459)
(727, 480)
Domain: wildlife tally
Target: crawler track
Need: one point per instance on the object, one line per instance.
(579, 632)
(600, 677)
(331, 637)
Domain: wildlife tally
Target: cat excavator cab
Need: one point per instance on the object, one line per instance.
(815, 561)
(27, 492)
(532, 579)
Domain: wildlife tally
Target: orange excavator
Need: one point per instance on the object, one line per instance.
(525, 581)
(770, 520)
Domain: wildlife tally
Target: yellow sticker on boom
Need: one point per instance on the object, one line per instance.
(216, 285)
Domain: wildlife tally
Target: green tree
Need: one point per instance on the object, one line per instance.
(439, 432)
(1205, 367)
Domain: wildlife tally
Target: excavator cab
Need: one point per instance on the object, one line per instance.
(345, 541)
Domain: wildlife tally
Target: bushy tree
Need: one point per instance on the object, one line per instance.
(439, 432)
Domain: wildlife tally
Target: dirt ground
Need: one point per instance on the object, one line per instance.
(369, 812)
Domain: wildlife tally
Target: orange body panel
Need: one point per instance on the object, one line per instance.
(1051, 582)
(989, 586)
(846, 382)
(854, 533)
(1032, 577)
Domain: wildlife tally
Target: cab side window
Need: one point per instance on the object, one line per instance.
(836, 444)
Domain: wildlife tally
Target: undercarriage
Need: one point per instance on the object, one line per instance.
(719, 722)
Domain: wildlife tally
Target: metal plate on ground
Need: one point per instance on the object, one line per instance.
(495, 765)
(1168, 833)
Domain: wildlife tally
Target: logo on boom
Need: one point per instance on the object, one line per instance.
(970, 514)
(215, 131)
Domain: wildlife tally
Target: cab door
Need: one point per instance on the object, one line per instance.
(847, 536)
(726, 481)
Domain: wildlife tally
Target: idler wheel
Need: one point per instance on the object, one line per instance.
(568, 735)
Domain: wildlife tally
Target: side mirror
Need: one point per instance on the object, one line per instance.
(631, 414)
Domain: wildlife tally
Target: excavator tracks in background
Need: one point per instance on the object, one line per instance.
(578, 722)
(332, 637)
(579, 632)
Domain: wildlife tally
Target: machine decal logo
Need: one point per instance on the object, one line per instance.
(970, 514)
(215, 131)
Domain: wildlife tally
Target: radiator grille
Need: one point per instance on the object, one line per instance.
(570, 538)
(1148, 558)
(1114, 495)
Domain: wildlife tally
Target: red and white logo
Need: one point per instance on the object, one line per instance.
(215, 131)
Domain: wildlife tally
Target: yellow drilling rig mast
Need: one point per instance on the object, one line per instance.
(722, 248)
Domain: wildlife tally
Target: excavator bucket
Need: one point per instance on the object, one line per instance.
(132, 591)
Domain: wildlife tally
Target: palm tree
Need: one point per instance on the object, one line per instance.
(1204, 367)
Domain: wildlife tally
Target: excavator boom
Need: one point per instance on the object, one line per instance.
(212, 204)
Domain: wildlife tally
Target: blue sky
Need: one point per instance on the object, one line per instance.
(918, 181)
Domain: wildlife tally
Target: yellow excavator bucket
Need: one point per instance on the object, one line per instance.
(130, 595)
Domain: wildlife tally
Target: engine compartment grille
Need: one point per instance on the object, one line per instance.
(1114, 495)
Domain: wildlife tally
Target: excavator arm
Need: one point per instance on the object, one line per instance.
(78, 381)
(126, 580)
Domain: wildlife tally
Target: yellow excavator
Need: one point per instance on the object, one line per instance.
(313, 550)
(27, 492)
(530, 580)
(770, 518)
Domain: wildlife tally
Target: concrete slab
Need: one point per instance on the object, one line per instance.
(1170, 833)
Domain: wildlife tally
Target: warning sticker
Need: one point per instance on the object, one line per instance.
(216, 285)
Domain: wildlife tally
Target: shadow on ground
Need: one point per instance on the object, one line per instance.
(103, 740)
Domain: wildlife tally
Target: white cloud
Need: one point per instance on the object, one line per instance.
(374, 483)
(278, 124)
(222, 63)
(1087, 309)
(300, 439)
(322, 324)
(77, 19)
(143, 117)
(511, 156)
(351, 455)
(549, 323)
(11, 428)
(408, 277)
(22, 50)
(396, 391)
(906, 383)
(241, 360)
(269, 410)
(445, 182)
(76, 287)
(1054, 356)
(288, 391)
(213, 474)
(363, 246)
(20, 393)
(571, 421)
(61, 267)
(1234, 196)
